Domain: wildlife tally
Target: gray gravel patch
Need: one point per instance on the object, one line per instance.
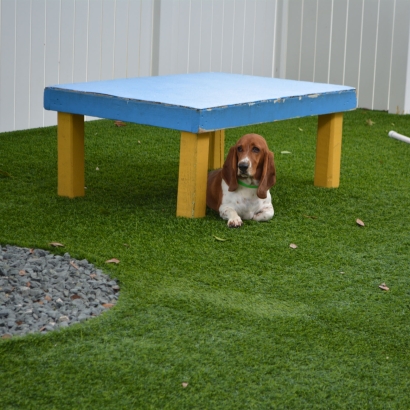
(42, 292)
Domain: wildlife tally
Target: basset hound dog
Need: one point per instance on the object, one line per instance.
(240, 189)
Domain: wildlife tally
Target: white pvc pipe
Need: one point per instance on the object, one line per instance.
(399, 137)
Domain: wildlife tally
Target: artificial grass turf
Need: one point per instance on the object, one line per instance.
(248, 322)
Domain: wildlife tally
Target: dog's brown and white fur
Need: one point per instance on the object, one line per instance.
(251, 162)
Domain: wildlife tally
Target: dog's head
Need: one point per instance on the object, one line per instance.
(250, 158)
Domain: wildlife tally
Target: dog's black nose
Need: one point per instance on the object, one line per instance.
(243, 167)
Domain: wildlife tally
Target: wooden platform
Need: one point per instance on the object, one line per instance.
(201, 106)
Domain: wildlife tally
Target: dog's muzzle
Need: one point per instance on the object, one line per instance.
(243, 168)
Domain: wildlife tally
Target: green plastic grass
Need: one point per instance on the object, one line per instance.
(247, 323)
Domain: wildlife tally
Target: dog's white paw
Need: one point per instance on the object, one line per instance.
(235, 222)
(264, 214)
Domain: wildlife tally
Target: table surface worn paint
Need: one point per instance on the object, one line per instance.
(200, 102)
(201, 106)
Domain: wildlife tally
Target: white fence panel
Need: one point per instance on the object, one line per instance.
(194, 48)
(293, 44)
(323, 40)
(399, 59)
(249, 37)
(121, 39)
(7, 66)
(66, 52)
(52, 54)
(22, 56)
(228, 36)
(353, 43)
(368, 52)
(80, 46)
(134, 38)
(183, 36)
(94, 40)
(280, 20)
(308, 40)
(383, 58)
(238, 38)
(217, 35)
(220, 35)
(107, 40)
(206, 36)
(337, 39)
(37, 49)
(264, 38)
(145, 44)
(167, 37)
(46, 42)
(362, 43)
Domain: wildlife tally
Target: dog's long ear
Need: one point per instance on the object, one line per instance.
(229, 169)
(268, 177)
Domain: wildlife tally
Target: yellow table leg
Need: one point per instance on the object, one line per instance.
(216, 149)
(328, 150)
(193, 174)
(70, 135)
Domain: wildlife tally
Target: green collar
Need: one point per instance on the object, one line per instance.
(246, 185)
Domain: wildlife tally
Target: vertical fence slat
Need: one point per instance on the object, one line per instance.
(399, 57)
(52, 52)
(80, 41)
(206, 36)
(323, 41)
(248, 37)
(195, 37)
(134, 38)
(22, 84)
(172, 39)
(217, 34)
(238, 38)
(0, 64)
(183, 36)
(107, 40)
(368, 53)
(383, 62)
(66, 41)
(337, 57)
(37, 45)
(7, 58)
(293, 40)
(146, 39)
(308, 41)
(262, 33)
(281, 39)
(227, 39)
(406, 109)
(121, 39)
(264, 56)
(165, 37)
(94, 41)
(353, 43)
(260, 38)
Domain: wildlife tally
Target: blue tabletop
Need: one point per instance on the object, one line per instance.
(199, 102)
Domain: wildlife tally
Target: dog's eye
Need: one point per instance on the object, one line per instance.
(255, 149)
(240, 149)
